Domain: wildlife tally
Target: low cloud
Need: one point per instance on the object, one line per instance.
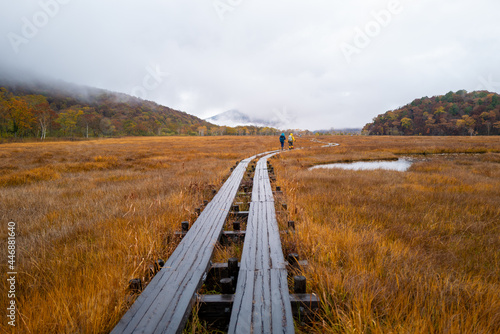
(328, 64)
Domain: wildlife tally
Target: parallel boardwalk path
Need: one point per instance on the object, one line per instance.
(262, 301)
(165, 304)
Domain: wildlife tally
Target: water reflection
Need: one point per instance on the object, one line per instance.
(400, 165)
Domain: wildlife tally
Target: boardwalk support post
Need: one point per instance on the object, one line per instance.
(299, 284)
(185, 226)
(135, 285)
(159, 264)
(293, 260)
(232, 268)
(227, 286)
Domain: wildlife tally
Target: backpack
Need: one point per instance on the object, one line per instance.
(290, 138)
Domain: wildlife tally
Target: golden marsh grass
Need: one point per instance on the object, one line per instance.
(92, 215)
(412, 252)
(392, 252)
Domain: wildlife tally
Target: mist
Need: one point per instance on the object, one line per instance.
(316, 64)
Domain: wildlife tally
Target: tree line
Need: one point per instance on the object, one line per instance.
(459, 113)
(25, 115)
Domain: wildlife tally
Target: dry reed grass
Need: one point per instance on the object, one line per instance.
(92, 215)
(388, 252)
(391, 252)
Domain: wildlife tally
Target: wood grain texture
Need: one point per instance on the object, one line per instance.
(165, 304)
(262, 300)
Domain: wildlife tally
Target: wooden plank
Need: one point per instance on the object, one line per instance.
(262, 301)
(165, 304)
(163, 289)
(169, 278)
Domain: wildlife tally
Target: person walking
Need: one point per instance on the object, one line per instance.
(291, 139)
(282, 140)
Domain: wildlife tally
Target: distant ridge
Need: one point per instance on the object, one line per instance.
(459, 113)
(340, 131)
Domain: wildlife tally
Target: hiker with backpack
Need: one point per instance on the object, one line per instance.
(282, 140)
(291, 139)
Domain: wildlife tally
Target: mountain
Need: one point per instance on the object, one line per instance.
(457, 113)
(230, 118)
(68, 109)
(235, 118)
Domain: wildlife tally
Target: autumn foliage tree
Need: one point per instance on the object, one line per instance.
(467, 123)
(4, 111)
(21, 117)
(68, 119)
(42, 112)
(407, 124)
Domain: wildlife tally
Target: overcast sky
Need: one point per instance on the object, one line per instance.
(315, 64)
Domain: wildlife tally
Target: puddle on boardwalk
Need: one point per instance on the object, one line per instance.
(400, 165)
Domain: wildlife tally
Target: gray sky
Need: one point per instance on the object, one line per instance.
(315, 64)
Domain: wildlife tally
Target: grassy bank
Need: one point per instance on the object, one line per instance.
(412, 252)
(92, 215)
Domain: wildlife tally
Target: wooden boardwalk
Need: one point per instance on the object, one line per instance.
(165, 304)
(262, 301)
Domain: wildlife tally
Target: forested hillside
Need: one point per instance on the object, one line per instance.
(459, 113)
(27, 111)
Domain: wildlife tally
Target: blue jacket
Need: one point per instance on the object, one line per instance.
(282, 138)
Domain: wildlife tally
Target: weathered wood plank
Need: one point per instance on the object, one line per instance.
(168, 280)
(165, 304)
(262, 301)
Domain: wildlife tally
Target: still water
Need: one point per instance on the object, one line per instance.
(400, 165)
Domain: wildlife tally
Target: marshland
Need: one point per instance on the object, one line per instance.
(387, 251)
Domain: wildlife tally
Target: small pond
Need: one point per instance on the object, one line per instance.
(400, 165)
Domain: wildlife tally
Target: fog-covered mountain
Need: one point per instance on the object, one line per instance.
(237, 118)
(96, 112)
